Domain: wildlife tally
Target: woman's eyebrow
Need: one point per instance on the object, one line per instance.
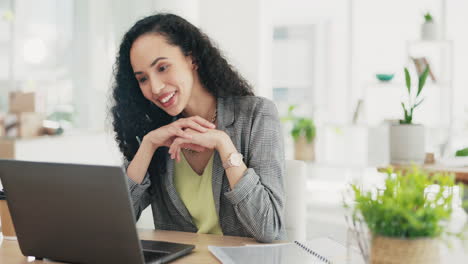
(152, 64)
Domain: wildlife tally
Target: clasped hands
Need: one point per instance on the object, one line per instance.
(193, 133)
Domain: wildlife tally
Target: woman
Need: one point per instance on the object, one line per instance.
(177, 99)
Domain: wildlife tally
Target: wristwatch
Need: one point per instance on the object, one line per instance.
(234, 160)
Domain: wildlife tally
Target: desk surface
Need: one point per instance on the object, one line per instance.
(11, 254)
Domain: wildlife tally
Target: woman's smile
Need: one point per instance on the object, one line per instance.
(167, 99)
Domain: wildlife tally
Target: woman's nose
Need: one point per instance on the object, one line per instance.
(157, 86)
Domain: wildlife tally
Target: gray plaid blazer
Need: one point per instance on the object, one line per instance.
(255, 207)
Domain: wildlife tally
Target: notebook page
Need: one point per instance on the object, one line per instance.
(271, 253)
(335, 252)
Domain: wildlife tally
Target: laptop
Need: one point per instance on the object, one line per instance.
(78, 213)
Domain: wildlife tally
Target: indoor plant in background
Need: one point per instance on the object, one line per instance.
(303, 133)
(462, 152)
(429, 28)
(405, 220)
(407, 140)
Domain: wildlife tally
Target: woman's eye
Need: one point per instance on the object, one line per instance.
(162, 68)
(142, 80)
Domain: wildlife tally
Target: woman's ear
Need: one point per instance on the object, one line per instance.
(192, 61)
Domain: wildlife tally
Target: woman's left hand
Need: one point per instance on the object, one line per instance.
(208, 140)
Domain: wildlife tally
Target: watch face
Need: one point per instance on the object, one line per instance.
(236, 159)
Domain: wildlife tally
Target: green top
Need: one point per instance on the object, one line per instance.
(197, 195)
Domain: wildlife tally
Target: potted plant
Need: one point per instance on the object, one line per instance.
(429, 28)
(303, 133)
(407, 140)
(462, 152)
(405, 220)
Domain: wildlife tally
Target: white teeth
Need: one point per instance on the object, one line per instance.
(167, 98)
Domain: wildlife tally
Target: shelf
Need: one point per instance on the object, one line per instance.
(293, 84)
(401, 84)
(430, 42)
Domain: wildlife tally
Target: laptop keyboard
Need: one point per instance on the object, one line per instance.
(151, 256)
(161, 251)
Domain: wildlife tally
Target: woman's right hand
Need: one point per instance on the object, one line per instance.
(165, 135)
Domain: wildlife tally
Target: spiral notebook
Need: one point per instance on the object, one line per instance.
(319, 250)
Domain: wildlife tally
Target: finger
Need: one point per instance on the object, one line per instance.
(178, 154)
(172, 153)
(185, 135)
(197, 127)
(176, 145)
(203, 122)
(190, 123)
(180, 133)
(172, 149)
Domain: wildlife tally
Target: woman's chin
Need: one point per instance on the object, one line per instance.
(174, 111)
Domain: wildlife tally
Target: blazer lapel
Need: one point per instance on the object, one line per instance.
(225, 107)
(173, 195)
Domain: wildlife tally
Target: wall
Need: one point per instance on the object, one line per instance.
(333, 14)
(242, 31)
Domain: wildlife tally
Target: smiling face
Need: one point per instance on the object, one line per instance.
(166, 77)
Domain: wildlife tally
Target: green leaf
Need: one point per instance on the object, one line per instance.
(402, 208)
(428, 17)
(295, 133)
(304, 126)
(290, 116)
(462, 152)
(407, 118)
(418, 103)
(301, 126)
(408, 80)
(422, 80)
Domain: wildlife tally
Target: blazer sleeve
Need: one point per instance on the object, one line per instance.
(139, 193)
(258, 197)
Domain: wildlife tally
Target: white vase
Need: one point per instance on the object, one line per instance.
(407, 144)
(429, 31)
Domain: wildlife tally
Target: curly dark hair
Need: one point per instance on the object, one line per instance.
(133, 116)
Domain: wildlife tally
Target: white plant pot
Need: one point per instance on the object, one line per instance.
(407, 144)
(429, 31)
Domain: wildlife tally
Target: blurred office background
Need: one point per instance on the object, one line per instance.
(321, 55)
